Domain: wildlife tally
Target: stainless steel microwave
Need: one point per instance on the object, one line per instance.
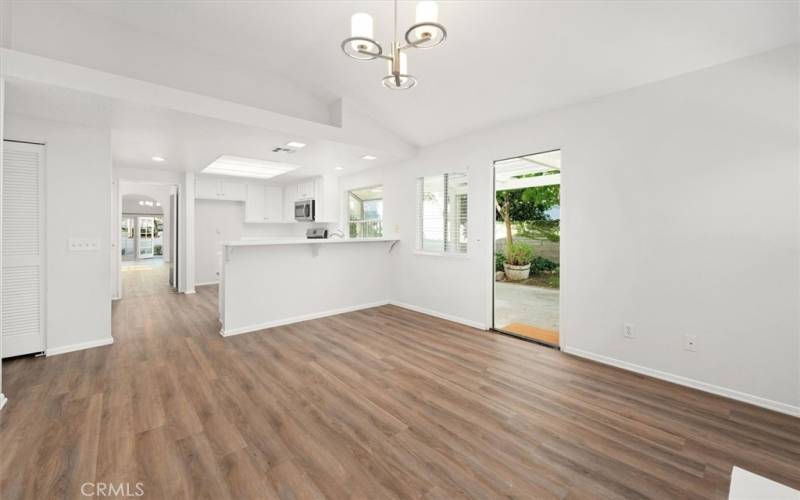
(304, 210)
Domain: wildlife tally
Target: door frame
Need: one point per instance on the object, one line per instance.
(491, 296)
(116, 196)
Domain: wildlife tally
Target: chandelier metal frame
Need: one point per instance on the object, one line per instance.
(422, 35)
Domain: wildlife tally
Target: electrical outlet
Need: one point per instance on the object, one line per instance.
(628, 331)
(690, 342)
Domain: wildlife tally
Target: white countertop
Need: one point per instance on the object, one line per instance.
(302, 241)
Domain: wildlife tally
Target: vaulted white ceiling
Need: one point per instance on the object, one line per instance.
(502, 59)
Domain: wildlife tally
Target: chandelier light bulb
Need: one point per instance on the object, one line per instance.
(427, 12)
(360, 26)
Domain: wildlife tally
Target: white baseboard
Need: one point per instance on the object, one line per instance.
(189, 292)
(448, 317)
(3, 400)
(297, 319)
(688, 382)
(78, 347)
(206, 283)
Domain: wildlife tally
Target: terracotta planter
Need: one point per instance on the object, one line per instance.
(517, 273)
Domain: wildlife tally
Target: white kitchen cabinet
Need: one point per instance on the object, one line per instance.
(254, 203)
(327, 198)
(212, 188)
(305, 190)
(233, 191)
(323, 190)
(207, 188)
(263, 204)
(289, 197)
(273, 204)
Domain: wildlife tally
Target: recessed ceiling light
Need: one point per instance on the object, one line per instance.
(247, 167)
(159, 159)
(339, 168)
(295, 144)
(369, 157)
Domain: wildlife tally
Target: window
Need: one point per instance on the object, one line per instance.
(365, 212)
(442, 203)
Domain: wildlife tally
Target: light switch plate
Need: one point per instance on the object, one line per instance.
(84, 244)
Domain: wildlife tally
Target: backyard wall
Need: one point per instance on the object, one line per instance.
(542, 247)
(644, 171)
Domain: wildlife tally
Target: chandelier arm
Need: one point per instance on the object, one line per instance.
(411, 45)
(417, 43)
(374, 54)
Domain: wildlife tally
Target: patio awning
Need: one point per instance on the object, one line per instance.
(542, 169)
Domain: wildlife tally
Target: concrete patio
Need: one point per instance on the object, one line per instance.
(530, 305)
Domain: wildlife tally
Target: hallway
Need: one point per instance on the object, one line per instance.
(144, 277)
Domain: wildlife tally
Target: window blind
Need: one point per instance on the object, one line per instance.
(442, 207)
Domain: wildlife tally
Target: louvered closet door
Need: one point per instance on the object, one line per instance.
(23, 249)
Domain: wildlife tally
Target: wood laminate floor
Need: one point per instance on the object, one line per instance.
(381, 403)
(145, 277)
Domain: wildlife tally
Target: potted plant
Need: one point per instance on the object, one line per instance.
(518, 261)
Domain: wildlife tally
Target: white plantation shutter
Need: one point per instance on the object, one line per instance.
(23, 235)
(442, 206)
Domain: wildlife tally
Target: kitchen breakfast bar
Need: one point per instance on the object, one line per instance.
(266, 283)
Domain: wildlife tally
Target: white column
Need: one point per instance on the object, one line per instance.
(116, 213)
(188, 232)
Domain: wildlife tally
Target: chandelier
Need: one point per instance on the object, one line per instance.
(424, 34)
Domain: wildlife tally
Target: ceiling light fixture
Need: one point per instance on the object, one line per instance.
(295, 144)
(338, 168)
(424, 34)
(158, 159)
(248, 167)
(369, 157)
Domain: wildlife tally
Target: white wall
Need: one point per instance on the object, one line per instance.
(322, 274)
(78, 175)
(711, 158)
(217, 221)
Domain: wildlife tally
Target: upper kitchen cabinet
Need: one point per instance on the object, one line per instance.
(213, 188)
(326, 194)
(323, 190)
(305, 190)
(263, 204)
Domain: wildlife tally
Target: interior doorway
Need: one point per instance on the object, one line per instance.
(527, 250)
(147, 239)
